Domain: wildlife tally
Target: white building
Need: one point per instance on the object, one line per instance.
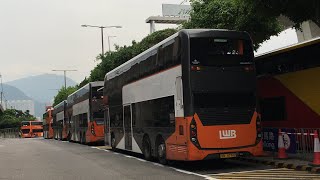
(22, 105)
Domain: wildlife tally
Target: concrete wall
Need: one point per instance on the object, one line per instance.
(309, 31)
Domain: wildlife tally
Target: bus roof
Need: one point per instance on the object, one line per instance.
(153, 50)
(288, 48)
(60, 104)
(92, 84)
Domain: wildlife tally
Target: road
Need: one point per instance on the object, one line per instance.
(33, 159)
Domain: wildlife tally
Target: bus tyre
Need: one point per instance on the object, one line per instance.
(69, 137)
(161, 152)
(147, 149)
(84, 138)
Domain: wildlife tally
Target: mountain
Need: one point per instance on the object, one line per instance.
(13, 93)
(41, 88)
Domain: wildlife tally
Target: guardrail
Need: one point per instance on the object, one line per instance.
(298, 142)
(10, 133)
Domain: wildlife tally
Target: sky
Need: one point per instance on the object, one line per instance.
(37, 36)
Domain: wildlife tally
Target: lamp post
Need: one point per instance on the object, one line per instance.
(109, 41)
(101, 29)
(1, 89)
(65, 75)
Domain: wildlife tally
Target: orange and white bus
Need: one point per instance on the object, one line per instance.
(86, 114)
(47, 123)
(31, 129)
(190, 97)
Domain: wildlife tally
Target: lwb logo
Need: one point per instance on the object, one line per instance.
(227, 134)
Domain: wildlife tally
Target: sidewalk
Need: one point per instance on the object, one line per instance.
(290, 163)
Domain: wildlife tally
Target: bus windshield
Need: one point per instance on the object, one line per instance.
(25, 123)
(220, 51)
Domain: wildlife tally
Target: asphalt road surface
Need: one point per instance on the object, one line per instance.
(38, 159)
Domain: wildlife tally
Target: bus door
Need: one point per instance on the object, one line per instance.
(107, 135)
(127, 126)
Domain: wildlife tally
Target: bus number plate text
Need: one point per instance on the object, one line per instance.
(230, 155)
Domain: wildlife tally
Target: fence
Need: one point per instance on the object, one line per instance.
(299, 142)
(10, 133)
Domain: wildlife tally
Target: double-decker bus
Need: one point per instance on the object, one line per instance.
(60, 122)
(85, 107)
(31, 129)
(47, 123)
(190, 97)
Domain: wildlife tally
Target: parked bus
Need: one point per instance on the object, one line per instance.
(190, 97)
(47, 123)
(31, 129)
(60, 122)
(87, 120)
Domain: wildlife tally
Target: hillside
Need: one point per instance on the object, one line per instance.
(41, 88)
(13, 93)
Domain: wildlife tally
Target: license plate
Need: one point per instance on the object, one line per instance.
(230, 155)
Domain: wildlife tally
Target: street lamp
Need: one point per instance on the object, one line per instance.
(101, 28)
(109, 41)
(1, 88)
(65, 75)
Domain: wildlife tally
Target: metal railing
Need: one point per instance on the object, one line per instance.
(299, 142)
(10, 133)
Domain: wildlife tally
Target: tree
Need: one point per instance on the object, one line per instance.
(11, 118)
(63, 94)
(83, 82)
(239, 15)
(112, 60)
(297, 11)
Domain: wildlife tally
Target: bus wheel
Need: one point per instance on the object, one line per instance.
(147, 148)
(84, 138)
(69, 137)
(113, 142)
(161, 152)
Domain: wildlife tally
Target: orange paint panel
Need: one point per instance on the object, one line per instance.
(179, 147)
(99, 132)
(177, 142)
(209, 136)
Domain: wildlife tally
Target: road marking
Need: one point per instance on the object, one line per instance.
(262, 170)
(106, 150)
(157, 164)
(266, 174)
(192, 173)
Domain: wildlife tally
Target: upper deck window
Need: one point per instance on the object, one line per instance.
(208, 51)
(25, 123)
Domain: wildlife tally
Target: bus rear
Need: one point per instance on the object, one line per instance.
(36, 128)
(95, 131)
(25, 129)
(219, 99)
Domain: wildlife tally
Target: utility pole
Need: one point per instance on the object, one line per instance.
(101, 28)
(65, 75)
(1, 89)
